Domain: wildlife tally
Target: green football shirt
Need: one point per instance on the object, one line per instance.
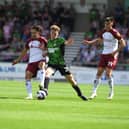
(56, 49)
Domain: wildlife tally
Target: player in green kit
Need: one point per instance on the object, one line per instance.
(56, 46)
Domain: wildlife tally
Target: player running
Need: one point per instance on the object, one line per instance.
(36, 45)
(112, 45)
(56, 61)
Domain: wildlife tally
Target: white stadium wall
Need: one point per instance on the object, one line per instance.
(7, 71)
(83, 75)
(87, 75)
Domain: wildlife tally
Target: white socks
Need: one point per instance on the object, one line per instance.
(41, 74)
(96, 84)
(111, 84)
(29, 88)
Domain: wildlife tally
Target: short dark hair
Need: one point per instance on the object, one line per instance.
(37, 28)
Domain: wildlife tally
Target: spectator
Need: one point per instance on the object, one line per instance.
(94, 13)
(119, 13)
(126, 49)
(7, 32)
(127, 17)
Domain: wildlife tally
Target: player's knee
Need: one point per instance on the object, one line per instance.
(48, 74)
(99, 74)
(71, 79)
(108, 75)
(41, 65)
(28, 75)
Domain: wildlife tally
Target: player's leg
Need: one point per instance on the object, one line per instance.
(110, 82)
(41, 74)
(49, 72)
(28, 77)
(97, 82)
(31, 71)
(71, 79)
(111, 63)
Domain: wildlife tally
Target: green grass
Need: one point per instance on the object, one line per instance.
(62, 109)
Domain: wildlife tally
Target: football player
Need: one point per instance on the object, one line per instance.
(36, 45)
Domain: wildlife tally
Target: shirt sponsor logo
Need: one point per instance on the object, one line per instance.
(52, 50)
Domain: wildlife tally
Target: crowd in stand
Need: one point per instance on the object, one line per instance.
(89, 55)
(17, 17)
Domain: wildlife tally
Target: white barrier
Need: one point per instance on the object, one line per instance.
(7, 71)
(87, 75)
(83, 75)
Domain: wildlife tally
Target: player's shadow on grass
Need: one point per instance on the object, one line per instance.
(7, 97)
(64, 98)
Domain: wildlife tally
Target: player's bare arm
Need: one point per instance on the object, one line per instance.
(69, 41)
(94, 41)
(23, 53)
(122, 44)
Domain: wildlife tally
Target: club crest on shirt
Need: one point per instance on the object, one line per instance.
(34, 44)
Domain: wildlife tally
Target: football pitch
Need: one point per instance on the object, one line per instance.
(62, 109)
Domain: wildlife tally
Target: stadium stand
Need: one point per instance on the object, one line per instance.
(71, 51)
(15, 25)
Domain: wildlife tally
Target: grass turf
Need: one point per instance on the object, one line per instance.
(62, 109)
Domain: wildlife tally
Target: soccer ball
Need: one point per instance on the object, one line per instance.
(41, 94)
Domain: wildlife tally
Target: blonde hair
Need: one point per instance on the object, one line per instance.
(55, 27)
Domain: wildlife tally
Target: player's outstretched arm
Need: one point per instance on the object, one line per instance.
(23, 53)
(98, 40)
(69, 41)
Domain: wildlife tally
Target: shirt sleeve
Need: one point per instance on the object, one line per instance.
(100, 34)
(44, 41)
(62, 40)
(116, 34)
(27, 44)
